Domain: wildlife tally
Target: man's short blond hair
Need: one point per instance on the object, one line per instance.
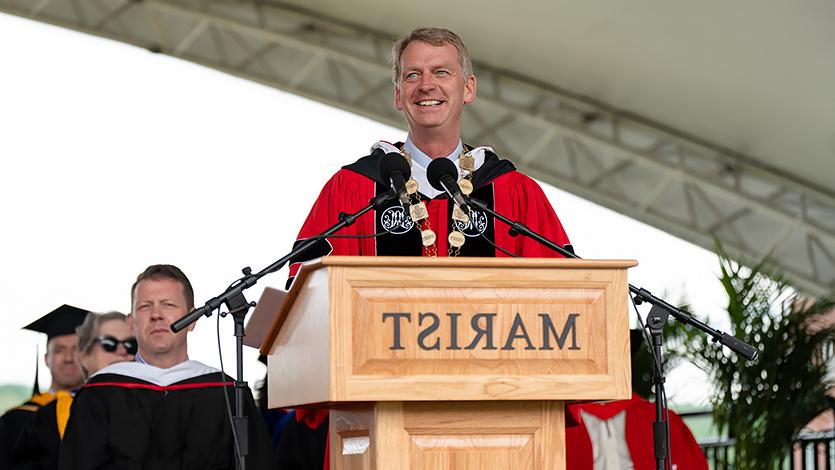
(437, 37)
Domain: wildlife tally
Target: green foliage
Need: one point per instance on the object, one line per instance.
(764, 403)
(13, 395)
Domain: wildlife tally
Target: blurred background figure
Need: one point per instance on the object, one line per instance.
(275, 418)
(103, 339)
(61, 344)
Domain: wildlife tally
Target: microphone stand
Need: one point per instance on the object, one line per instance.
(656, 319)
(238, 307)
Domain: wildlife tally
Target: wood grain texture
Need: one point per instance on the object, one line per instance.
(289, 301)
(298, 362)
(451, 436)
(468, 329)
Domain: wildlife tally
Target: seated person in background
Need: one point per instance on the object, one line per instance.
(162, 410)
(59, 327)
(617, 435)
(276, 419)
(103, 339)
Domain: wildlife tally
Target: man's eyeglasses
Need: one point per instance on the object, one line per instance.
(111, 344)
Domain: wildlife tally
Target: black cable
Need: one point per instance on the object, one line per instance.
(378, 234)
(226, 393)
(667, 426)
(497, 246)
(656, 362)
(658, 368)
(368, 235)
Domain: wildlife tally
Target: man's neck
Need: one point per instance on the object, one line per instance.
(435, 145)
(163, 361)
(53, 388)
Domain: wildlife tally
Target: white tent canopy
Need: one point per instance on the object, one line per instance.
(709, 120)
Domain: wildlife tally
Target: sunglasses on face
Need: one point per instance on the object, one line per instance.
(111, 344)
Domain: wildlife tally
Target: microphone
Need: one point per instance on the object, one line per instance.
(394, 168)
(233, 296)
(442, 175)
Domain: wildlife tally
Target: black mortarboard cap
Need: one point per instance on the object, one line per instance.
(59, 322)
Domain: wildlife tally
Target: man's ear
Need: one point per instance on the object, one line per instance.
(470, 89)
(397, 104)
(191, 327)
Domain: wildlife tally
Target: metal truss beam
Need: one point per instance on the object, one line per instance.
(683, 185)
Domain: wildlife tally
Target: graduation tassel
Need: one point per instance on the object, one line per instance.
(36, 389)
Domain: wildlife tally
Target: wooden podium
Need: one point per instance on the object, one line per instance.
(442, 364)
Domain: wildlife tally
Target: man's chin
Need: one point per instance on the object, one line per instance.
(69, 382)
(156, 348)
(426, 124)
(160, 348)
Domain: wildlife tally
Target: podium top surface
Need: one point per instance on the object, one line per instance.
(468, 262)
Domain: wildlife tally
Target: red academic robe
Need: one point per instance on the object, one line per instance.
(640, 414)
(507, 191)
(496, 182)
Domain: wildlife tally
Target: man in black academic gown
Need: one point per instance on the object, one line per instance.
(61, 344)
(162, 411)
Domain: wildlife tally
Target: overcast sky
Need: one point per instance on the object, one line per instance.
(113, 158)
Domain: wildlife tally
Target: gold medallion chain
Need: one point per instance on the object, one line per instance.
(419, 213)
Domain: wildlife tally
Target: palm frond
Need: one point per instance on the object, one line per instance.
(763, 404)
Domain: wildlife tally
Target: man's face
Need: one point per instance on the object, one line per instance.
(156, 304)
(62, 363)
(432, 89)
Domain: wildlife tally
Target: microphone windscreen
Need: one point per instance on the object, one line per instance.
(392, 162)
(436, 170)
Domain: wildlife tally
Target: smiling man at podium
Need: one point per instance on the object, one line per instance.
(433, 82)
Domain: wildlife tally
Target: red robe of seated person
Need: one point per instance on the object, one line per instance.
(639, 414)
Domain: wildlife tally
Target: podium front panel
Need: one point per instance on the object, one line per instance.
(478, 333)
(448, 436)
(359, 329)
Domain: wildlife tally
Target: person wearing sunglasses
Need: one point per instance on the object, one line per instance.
(104, 339)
